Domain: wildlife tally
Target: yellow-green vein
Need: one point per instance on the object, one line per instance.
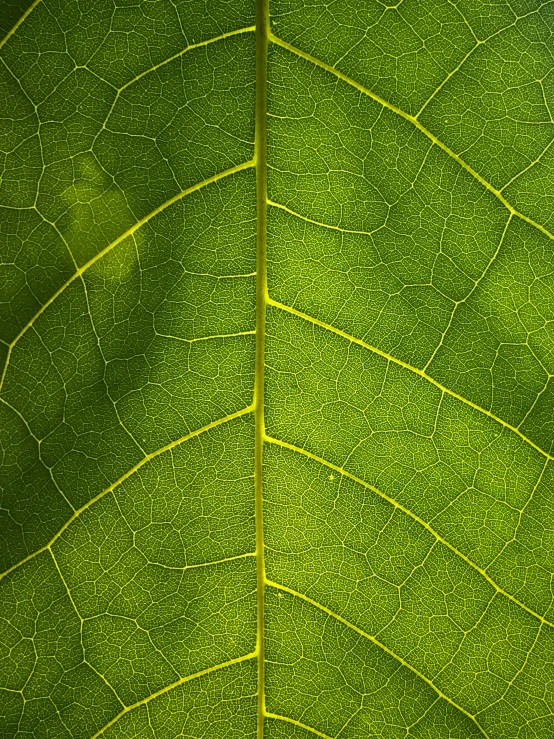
(130, 472)
(190, 47)
(415, 122)
(109, 247)
(421, 373)
(262, 30)
(19, 22)
(375, 641)
(415, 517)
(167, 688)
(293, 721)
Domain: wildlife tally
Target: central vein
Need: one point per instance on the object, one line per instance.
(262, 26)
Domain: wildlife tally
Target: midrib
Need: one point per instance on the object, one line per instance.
(260, 157)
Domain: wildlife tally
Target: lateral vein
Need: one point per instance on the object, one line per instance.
(124, 477)
(176, 684)
(273, 204)
(190, 47)
(204, 564)
(19, 22)
(375, 641)
(413, 120)
(207, 338)
(395, 360)
(109, 247)
(415, 517)
(279, 717)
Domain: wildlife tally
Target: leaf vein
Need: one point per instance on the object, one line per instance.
(273, 204)
(412, 119)
(470, 293)
(129, 473)
(190, 47)
(289, 720)
(208, 181)
(377, 643)
(415, 517)
(19, 22)
(479, 42)
(176, 684)
(421, 373)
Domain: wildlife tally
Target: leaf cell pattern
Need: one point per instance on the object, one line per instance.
(277, 359)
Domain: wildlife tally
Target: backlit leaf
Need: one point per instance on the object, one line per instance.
(277, 356)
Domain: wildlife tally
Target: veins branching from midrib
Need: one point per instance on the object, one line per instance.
(172, 686)
(129, 232)
(412, 119)
(263, 34)
(415, 122)
(345, 78)
(513, 212)
(120, 480)
(426, 525)
(421, 373)
(381, 645)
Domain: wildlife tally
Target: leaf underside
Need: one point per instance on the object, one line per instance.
(356, 281)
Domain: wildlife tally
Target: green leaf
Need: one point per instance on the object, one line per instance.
(277, 396)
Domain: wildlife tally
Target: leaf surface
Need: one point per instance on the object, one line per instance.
(277, 428)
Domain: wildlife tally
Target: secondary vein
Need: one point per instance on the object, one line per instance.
(421, 373)
(415, 517)
(296, 594)
(19, 22)
(118, 482)
(413, 120)
(109, 247)
(176, 684)
(289, 720)
(190, 47)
